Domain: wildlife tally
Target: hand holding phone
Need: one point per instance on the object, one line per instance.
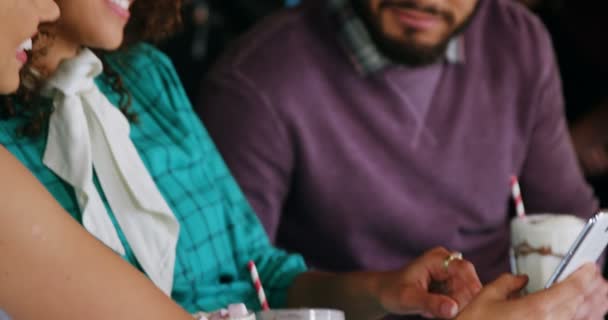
(587, 247)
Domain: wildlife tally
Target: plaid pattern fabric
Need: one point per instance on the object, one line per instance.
(360, 47)
(219, 231)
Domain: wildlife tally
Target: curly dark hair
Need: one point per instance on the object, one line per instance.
(151, 20)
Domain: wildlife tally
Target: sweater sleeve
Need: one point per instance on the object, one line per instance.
(253, 140)
(552, 180)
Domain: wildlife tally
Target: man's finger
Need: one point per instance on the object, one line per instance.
(434, 264)
(459, 276)
(463, 283)
(503, 287)
(435, 305)
(441, 269)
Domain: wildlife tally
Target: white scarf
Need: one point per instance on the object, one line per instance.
(87, 132)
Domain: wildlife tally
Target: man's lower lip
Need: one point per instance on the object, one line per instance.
(22, 56)
(415, 19)
(120, 11)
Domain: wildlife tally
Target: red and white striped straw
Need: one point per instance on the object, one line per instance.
(516, 193)
(255, 278)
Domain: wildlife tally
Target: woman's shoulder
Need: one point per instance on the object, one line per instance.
(9, 130)
(149, 76)
(142, 64)
(139, 57)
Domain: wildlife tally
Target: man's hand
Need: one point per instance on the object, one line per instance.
(595, 304)
(563, 301)
(428, 288)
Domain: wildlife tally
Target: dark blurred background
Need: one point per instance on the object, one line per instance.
(209, 27)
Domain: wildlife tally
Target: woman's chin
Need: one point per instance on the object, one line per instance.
(108, 44)
(9, 84)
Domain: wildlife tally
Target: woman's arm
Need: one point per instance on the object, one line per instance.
(51, 268)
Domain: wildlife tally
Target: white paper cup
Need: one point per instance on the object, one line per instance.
(538, 244)
(235, 311)
(301, 314)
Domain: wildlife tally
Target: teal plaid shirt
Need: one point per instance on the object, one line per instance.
(219, 231)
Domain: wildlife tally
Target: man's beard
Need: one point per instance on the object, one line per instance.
(409, 53)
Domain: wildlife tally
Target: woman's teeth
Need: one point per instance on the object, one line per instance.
(26, 45)
(122, 3)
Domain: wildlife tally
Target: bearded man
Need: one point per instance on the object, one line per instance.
(364, 132)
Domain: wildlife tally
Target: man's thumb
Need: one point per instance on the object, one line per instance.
(505, 286)
(439, 306)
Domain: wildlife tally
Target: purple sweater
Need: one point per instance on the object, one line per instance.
(367, 172)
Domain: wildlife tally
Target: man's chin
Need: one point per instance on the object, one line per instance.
(413, 53)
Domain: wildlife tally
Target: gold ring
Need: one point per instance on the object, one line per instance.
(453, 256)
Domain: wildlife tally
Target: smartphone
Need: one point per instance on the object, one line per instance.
(587, 247)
